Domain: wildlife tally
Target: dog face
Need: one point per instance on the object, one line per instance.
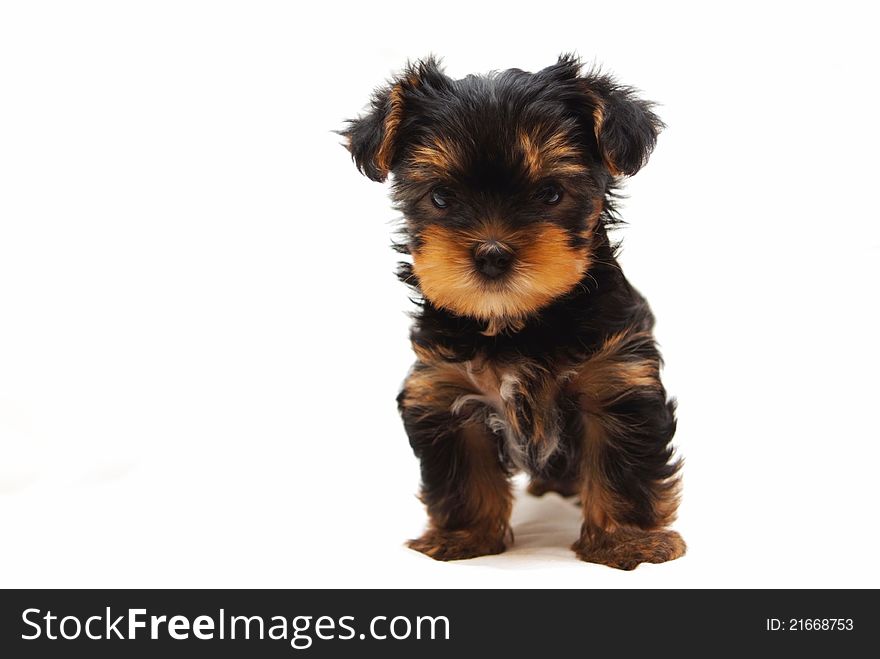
(503, 180)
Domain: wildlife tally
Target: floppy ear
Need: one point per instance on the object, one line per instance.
(371, 138)
(374, 139)
(625, 125)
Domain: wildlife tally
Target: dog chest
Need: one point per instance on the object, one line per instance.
(521, 403)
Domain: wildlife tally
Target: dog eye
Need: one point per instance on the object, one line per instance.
(440, 197)
(550, 194)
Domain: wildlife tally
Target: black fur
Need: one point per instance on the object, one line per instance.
(483, 143)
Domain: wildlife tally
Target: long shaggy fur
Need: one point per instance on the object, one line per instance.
(547, 362)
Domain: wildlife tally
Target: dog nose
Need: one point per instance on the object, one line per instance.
(492, 259)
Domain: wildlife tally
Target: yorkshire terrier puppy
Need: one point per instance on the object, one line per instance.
(533, 351)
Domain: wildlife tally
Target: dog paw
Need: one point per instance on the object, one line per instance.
(538, 487)
(626, 548)
(455, 545)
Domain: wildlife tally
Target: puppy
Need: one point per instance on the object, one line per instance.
(533, 351)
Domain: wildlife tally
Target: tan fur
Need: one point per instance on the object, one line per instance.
(489, 495)
(545, 268)
(612, 372)
(389, 136)
(598, 500)
(531, 155)
(548, 155)
(598, 120)
(433, 161)
(626, 548)
(436, 387)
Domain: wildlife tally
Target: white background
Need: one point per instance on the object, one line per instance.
(201, 338)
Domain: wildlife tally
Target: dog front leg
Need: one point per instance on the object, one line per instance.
(630, 479)
(465, 487)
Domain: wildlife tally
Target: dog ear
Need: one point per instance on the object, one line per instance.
(375, 139)
(624, 125)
